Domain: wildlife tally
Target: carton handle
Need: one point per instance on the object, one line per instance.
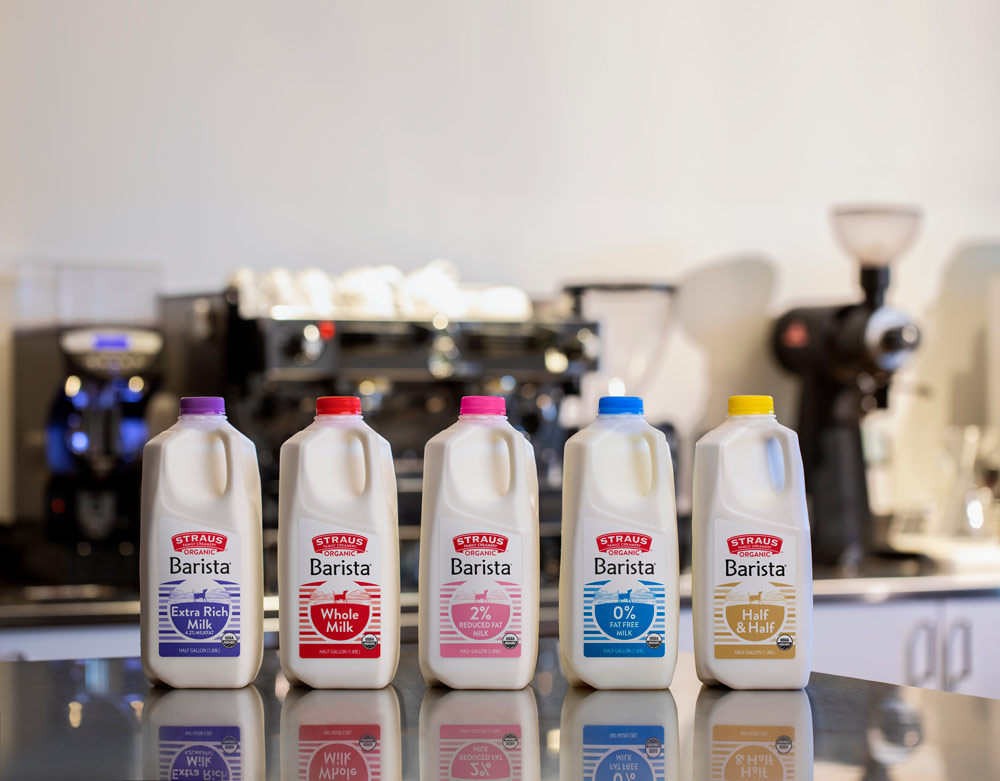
(234, 461)
(373, 473)
(514, 441)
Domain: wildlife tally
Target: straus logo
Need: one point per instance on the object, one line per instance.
(340, 544)
(624, 543)
(200, 543)
(480, 544)
(754, 545)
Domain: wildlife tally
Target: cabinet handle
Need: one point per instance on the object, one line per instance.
(912, 677)
(961, 628)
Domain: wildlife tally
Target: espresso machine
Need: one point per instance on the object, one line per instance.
(845, 356)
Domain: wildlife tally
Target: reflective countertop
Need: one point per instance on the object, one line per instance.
(99, 719)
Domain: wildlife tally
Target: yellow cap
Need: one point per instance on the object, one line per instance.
(751, 405)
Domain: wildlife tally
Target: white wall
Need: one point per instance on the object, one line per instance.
(529, 142)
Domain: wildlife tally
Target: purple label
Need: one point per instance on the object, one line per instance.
(202, 753)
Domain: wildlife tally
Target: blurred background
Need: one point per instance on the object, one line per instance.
(411, 202)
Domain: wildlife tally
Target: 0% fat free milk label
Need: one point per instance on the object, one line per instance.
(623, 753)
(753, 593)
(340, 592)
(479, 592)
(198, 590)
(624, 595)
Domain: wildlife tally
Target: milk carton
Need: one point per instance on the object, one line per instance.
(618, 593)
(479, 735)
(338, 552)
(751, 557)
(200, 577)
(351, 735)
(619, 735)
(203, 733)
(479, 570)
(753, 734)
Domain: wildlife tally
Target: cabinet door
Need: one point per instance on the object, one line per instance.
(969, 641)
(894, 642)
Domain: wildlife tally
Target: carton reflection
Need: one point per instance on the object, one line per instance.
(479, 735)
(203, 733)
(619, 735)
(341, 734)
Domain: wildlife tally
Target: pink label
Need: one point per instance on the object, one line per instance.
(479, 594)
(340, 751)
(471, 751)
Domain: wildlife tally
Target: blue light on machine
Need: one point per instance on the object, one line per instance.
(79, 441)
(111, 342)
(81, 399)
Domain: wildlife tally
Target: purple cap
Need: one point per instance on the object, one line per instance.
(203, 405)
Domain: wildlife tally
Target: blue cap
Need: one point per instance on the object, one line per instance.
(619, 405)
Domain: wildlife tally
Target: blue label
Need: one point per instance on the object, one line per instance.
(630, 752)
(201, 753)
(624, 619)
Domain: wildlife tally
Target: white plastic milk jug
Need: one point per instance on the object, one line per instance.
(200, 577)
(203, 733)
(351, 735)
(478, 626)
(765, 735)
(338, 552)
(479, 735)
(618, 593)
(751, 555)
(627, 735)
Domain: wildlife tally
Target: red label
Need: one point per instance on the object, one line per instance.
(339, 622)
(480, 544)
(340, 544)
(621, 543)
(754, 544)
(199, 542)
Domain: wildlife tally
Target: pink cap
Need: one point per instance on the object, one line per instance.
(482, 405)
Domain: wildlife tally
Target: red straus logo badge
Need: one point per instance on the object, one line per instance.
(624, 543)
(340, 544)
(754, 545)
(480, 544)
(199, 542)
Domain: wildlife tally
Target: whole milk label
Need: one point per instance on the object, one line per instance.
(753, 593)
(624, 595)
(202, 753)
(758, 753)
(352, 752)
(480, 751)
(198, 590)
(616, 752)
(479, 592)
(340, 593)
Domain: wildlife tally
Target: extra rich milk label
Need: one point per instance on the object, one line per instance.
(753, 752)
(487, 751)
(624, 594)
(753, 593)
(348, 751)
(479, 592)
(198, 590)
(340, 592)
(210, 753)
(633, 752)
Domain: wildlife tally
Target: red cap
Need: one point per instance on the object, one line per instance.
(338, 405)
(482, 405)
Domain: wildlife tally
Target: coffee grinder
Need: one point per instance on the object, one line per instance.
(846, 356)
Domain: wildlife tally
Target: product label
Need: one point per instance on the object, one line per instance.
(202, 753)
(198, 579)
(624, 596)
(753, 752)
(754, 594)
(614, 753)
(489, 751)
(347, 751)
(340, 595)
(480, 592)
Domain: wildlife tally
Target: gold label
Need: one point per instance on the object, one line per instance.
(753, 753)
